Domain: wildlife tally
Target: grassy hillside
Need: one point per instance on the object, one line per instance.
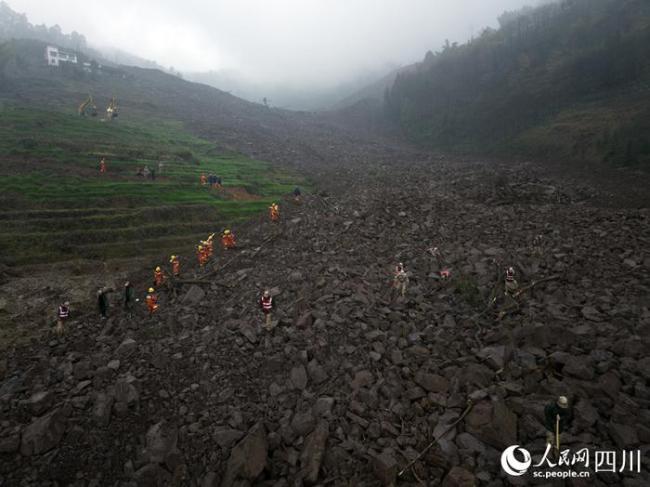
(55, 205)
(569, 79)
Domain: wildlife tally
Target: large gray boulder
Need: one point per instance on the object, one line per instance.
(248, 458)
(44, 433)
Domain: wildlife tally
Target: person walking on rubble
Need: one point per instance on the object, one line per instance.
(401, 279)
(63, 313)
(267, 305)
(158, 277)
(511, 284)
(129, 298)
(176, 266)
(152, 301)
(557, 418)
(228, 240)
(201, 255)
(102, 303)
(274, 212)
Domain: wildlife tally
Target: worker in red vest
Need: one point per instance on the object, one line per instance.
(210, 244)
(201, 255)
(203, 180)
(176, 265)
(63, 313)
(400, 279)
(152, 301)
(274, 212)
(266, 305)
(511, 284)
(102, 166)
(228, 239)
(158, 277)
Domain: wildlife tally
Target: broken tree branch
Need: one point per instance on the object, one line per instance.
(535, 283)
(435, 440)
(234, 258)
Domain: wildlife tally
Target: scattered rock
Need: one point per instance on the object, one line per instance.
(226, 437)
(194, 295)
(102, 408)
(248, 458)
(299, 377)
(623, 435)
(312, 453)
(317, 373)
(125, 392)
(44, 433)
(303, 422)
(40, 402)
(161, 439)
(459, 477)
(126, 348)
(10, 443)
(385, 467)
(432, 382)
(493, 423)
(305, 321)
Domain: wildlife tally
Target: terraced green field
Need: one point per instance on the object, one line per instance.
(55, 205)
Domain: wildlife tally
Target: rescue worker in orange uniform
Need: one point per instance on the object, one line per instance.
(203, 180)
(209, 245)
(274, 212)
(176, 265)
(228, 239)
(102, 165)
(158, 277)
(201, 255)
(152, 301)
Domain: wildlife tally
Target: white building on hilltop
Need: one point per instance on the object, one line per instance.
(56, 55)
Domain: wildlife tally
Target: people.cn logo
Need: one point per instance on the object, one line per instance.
(511, 465)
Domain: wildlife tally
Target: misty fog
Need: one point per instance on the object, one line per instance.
(271, 48)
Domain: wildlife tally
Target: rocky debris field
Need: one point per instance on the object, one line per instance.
(353, 381)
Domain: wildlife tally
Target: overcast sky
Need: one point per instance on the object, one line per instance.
(315, 42)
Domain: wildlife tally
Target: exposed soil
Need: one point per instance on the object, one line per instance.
(239, 194)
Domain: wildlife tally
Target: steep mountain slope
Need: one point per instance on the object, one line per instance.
(374, 91)
(565, 80)
(145, 93)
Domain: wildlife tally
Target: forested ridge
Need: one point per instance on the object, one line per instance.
(568, 79)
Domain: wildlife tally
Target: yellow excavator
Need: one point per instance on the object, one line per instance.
(111, 109)
(88, 107)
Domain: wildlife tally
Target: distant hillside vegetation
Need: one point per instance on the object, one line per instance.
(564, 80)
(14, 25)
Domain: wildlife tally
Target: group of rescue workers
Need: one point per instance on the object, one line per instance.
(211, 180)
(401, 278)
(204, 252)
(557, 414)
